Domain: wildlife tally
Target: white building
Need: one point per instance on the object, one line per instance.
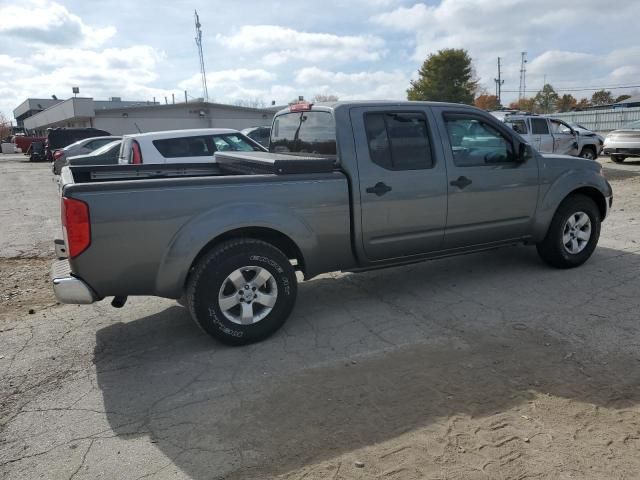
(120, 117)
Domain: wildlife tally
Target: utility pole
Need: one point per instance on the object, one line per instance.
(522, 91)
(203, 73)
(499, 83)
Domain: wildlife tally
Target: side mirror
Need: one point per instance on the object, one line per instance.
(524, 152)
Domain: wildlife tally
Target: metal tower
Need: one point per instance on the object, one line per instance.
(522, 91)
(499, 83)
(203, 73)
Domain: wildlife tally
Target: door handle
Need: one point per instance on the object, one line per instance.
(461, 182)
(379, 189)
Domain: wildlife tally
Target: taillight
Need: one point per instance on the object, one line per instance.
(137, 155)
(300, 107)
(57, 154)
(76, 226)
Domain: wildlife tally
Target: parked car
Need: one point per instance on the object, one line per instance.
(183, 146)
(105, 155)
(385, 183)
(585, 133)
(259, 134)
(551, 135)
(81, 147)
(58, 138)
(624, 142)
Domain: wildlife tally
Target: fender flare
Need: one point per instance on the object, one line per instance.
(570, 182)
(198, 233)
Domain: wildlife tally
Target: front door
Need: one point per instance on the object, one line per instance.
(402, 187)
(564, 138)
(492, 196)
(540, 131)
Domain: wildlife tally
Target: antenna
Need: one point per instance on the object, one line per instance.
(203, 73)
(499, 83)
(522, 91)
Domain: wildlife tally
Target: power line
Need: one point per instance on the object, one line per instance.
(582, 89)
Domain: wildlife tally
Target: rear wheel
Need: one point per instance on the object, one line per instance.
(242, 291)
(573, 234)
(618, 158)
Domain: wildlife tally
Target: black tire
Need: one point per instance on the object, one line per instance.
(589, 153)
(617, 158)
(552, 249)
(210, 276)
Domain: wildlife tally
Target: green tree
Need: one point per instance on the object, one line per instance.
(621, 98)
(545, 100)
(602, 97)
(446, 76)
(566, 102)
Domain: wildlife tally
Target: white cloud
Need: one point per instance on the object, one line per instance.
(357, 85)
(48, 22)
(280, 44)
(560, 37)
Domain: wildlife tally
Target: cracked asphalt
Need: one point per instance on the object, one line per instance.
(486, 366)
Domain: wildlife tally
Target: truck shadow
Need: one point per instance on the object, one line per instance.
(366, 358)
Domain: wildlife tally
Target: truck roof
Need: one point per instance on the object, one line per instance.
(375, 103)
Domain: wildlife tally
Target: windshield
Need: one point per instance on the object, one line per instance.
(234, 143)
(106, 148)
(635, 124)
(311, 132)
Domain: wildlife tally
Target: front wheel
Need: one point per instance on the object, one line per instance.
(573, 234)
(589, 153)
(242, 291)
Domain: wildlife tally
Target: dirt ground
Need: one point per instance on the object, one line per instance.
(489, 366)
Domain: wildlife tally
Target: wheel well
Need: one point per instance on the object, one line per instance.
(590, 147)
(595, 195)
(275, 238)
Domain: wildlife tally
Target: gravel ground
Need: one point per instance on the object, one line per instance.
(487, 366)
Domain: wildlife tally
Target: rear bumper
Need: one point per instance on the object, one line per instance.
(67, 288)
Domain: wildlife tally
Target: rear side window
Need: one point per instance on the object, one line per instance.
(519, 126)
(539, 126)
(309, 132)
(198, 146)
(398, 141)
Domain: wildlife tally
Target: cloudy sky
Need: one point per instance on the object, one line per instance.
(281, 49)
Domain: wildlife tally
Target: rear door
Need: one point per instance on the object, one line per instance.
(492, 196)
(543, 141)
(402, 188)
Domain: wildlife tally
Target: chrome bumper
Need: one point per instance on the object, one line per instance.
(67, 288)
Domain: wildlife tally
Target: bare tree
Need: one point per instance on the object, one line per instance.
(5, 126)
(251, 103)
(320, 98)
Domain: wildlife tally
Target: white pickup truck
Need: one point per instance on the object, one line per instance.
(551, 135)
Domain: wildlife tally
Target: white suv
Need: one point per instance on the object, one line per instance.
(183, 146)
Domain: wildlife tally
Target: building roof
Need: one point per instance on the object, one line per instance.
(632, 99)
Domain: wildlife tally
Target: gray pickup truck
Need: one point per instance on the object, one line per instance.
(349, 186)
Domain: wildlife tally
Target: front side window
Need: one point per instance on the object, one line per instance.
(539, 126)
(475, 142)
(232, 143)
(398, 141)
(560, 127)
